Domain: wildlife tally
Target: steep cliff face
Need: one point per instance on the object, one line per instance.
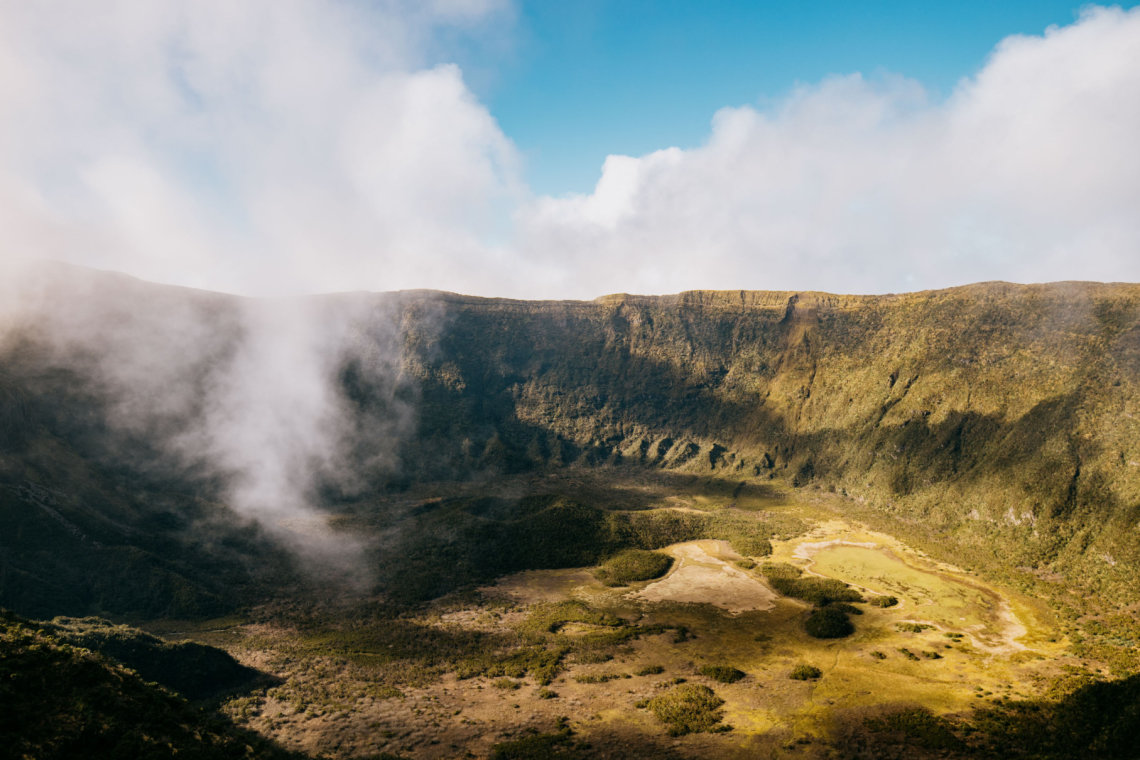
(999, 418)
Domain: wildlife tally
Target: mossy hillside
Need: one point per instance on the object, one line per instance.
(64, 701)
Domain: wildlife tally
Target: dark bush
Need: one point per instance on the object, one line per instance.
(828, 623)
(805, 673)
(790, 581)
(722, 673)
(633, 565)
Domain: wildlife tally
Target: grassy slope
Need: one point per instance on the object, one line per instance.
(65, 701)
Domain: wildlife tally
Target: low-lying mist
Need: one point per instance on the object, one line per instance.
(249, 394)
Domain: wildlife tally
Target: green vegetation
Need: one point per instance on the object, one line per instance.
(598, 677)
(687, 709)
(789, 580)
(538, 746)
(917, 727)
(745, 533)
(650, 670)
(913, 627)
(804, 672)
(193, 670)
(1003, 443)
(63, 701)
(845, 608)
(633, 565)
(1097, 719)
(722, 673)
(828, 623)
(884, 601)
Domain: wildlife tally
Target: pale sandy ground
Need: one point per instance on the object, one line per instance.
(699, 576)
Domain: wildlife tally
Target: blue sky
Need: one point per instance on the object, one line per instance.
(572, 149)
(587, 78)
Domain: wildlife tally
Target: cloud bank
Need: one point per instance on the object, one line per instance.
(271, 147)
(1029, 172)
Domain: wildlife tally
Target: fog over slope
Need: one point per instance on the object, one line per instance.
(141, 420)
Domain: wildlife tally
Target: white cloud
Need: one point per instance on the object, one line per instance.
(1029, 172)
(271, 146)
(258, 146)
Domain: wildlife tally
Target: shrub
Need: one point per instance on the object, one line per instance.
(805, 673)
(828, 623)
(597, 677)
(884, 601)
(506, 684)
(650, 670)
(633, 565)
(751, 546)
(790, 581)
(689, 708)
(913, 627)
(722, 673)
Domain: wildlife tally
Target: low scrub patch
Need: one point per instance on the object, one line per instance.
(687, 709)
(789, 580)
(537, 746)
(920, 726)
(884, 601)
(633, 565)
(805, 673)
(598, 677)
(722, 673)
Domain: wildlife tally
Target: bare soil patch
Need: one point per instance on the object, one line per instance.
(700, 576)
